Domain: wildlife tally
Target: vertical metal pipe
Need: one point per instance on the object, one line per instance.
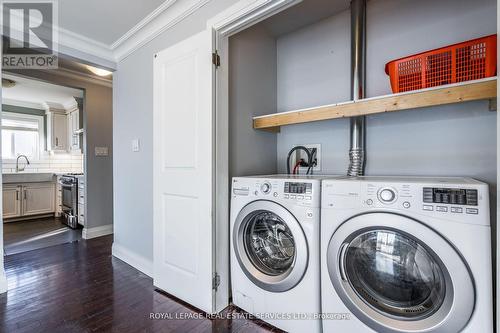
(357, 156)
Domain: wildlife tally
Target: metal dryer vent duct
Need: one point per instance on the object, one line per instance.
(357, 156)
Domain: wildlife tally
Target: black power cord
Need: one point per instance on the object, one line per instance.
(308, 152)
(311, 154)
(312, 161)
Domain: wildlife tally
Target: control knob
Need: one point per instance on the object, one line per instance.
(387, 195)
(265, 188)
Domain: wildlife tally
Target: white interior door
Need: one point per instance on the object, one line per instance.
(183, 171)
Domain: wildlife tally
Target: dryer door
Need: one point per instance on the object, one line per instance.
(270, 246)
(397, 275)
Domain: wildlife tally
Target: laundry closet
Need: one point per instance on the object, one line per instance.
(300, 58)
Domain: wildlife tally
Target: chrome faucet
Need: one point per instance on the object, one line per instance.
(17, 163)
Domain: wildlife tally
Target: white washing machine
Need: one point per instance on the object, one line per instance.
(406, 255)
(275, 260)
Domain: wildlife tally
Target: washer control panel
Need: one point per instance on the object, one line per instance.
(297, 191)
(453, 196)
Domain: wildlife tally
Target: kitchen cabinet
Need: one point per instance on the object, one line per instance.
(28, 199)
(11, 201)
(38, 199)
(58, 208)
(74, 127)
(57, 131)
(81, 200)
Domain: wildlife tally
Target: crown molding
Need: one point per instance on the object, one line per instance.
(55, 107)
(153, 25)
(84, 44)
(70, 105)
(47, 105)
(164, 6)
(24, 104)
(245, 13)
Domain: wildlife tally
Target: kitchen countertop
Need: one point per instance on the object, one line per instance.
(26, 177)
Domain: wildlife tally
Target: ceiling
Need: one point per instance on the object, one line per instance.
(104, 21)
(37, 94)
(105, 32)
(303, 14)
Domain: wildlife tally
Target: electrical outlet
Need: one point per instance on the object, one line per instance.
(101, 151)
(300, 154)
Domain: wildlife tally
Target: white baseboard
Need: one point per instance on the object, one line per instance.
(137, 261)
(103, 230)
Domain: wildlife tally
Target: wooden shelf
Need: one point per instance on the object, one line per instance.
(448, 94)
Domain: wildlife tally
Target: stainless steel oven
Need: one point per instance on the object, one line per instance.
(69, 202)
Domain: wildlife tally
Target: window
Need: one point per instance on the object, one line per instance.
(21, 134)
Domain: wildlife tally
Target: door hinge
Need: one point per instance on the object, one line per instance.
(215, 281)
(216, 59)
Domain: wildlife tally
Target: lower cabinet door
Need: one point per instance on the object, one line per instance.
(11, 201)
(38, 199)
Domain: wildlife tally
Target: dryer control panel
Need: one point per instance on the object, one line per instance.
(465, 202)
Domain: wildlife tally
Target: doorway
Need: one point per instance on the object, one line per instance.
(43, 158)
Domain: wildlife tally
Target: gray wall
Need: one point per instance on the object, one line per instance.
(443, 141)
(252, 92)
(98, 123)
(133, 118)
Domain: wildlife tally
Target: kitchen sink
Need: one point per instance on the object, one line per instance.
(22, 177)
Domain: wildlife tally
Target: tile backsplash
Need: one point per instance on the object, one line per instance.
(57, 163)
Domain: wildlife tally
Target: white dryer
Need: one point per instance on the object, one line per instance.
(406, 255)
(275, 272)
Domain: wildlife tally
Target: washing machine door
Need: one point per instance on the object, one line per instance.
(397, 275)
(270, 246)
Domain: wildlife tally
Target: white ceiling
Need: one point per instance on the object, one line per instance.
(38, 94)
(104, 21)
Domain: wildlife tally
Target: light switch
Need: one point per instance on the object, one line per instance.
(101, 151)
(135, 145)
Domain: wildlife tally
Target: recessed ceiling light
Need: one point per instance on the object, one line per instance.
(98, 71)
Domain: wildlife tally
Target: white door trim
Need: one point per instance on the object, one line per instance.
(238, 17)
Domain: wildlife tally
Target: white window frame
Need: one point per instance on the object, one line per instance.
(41, 131)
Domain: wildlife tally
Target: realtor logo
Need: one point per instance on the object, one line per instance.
(29, 34)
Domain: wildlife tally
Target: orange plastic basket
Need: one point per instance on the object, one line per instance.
(470, 60)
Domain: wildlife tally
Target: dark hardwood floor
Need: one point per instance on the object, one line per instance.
(22, 236)
(80, 287)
